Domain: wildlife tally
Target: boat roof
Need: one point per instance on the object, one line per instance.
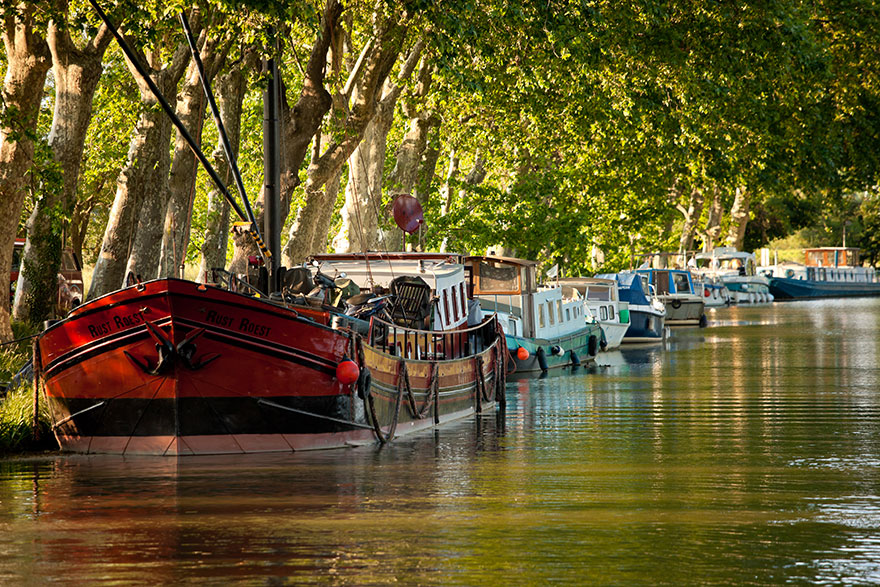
(724, 253)
(389, 256)
(510, 260)
(833, 249)
(629, 287)
(381, 270)
(587, 281)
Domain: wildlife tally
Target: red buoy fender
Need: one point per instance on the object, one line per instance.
(347, 372)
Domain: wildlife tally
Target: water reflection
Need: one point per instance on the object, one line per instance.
(747, 452)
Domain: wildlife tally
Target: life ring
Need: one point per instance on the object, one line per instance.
(676, 304)
(592, 345)
(789, 273)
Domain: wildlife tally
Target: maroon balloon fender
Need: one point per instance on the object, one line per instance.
(407, 213)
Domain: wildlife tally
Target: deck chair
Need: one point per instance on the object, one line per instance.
(412, 301)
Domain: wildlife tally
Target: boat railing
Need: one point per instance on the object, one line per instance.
(232, 282)
(432, 345)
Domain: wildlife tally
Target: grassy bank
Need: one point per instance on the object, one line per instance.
(17, 407)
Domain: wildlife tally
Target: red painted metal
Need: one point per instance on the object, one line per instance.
(167, 367)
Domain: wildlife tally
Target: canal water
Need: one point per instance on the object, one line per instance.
(747, 452)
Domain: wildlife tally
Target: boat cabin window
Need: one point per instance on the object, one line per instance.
(455, 304)
(446, 307)
(464, 310)
(550, 311)
(645, 284)
(603, 313)
(496, 277)
(611, 312)
(681, 282)
(540, 315)
(602, 294)
(559, 310)
(567, 315)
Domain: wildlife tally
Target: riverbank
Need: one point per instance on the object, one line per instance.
(17, 432)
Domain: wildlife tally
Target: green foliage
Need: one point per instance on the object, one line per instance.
(16, 407)
(869, 218)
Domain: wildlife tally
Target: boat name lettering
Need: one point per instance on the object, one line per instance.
(256, 329)
(100, 329)
(219, 319)
(117, 323)
(130, 320)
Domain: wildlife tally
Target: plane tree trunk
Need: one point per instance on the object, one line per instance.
(363, 193)
(298, 125)
(691, 218)
(77, 72)
(27, 61)
(306, 229)
(142, 183)
(191, 103)
(739, 218)
(230, 96)
(713, 222)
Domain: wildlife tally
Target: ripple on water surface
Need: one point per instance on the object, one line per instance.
(747, 452)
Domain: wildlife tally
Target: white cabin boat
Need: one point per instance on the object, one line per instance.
(738, 271)
(544, 327)
(602, 304)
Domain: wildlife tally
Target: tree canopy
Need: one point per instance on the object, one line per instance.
(573, 132)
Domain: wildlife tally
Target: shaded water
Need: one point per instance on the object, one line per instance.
(747, 452)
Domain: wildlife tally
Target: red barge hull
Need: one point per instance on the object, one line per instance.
(170, 367)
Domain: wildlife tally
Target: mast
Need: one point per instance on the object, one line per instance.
(272, 168)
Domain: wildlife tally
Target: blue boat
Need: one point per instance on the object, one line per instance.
(675, 288)
(647, 314)
(829, 272)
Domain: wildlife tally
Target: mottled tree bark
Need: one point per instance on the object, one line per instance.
(713, 222)
(27, 61)
(230, 96)
(77, 73)
(427, 169)
(363, 193)
(191, 103)
(377, 65)
(739, 218)
(446, 191)
(142, 184)
(691, 218)
(298, 125)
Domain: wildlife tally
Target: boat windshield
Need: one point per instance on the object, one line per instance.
(681, 283)
(498, 277)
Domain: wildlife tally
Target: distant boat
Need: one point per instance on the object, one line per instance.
(737, 270)
(675, 289)
(602, 303)
(828, 272)
(713, 291)
(647, 314)
(544, 329)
